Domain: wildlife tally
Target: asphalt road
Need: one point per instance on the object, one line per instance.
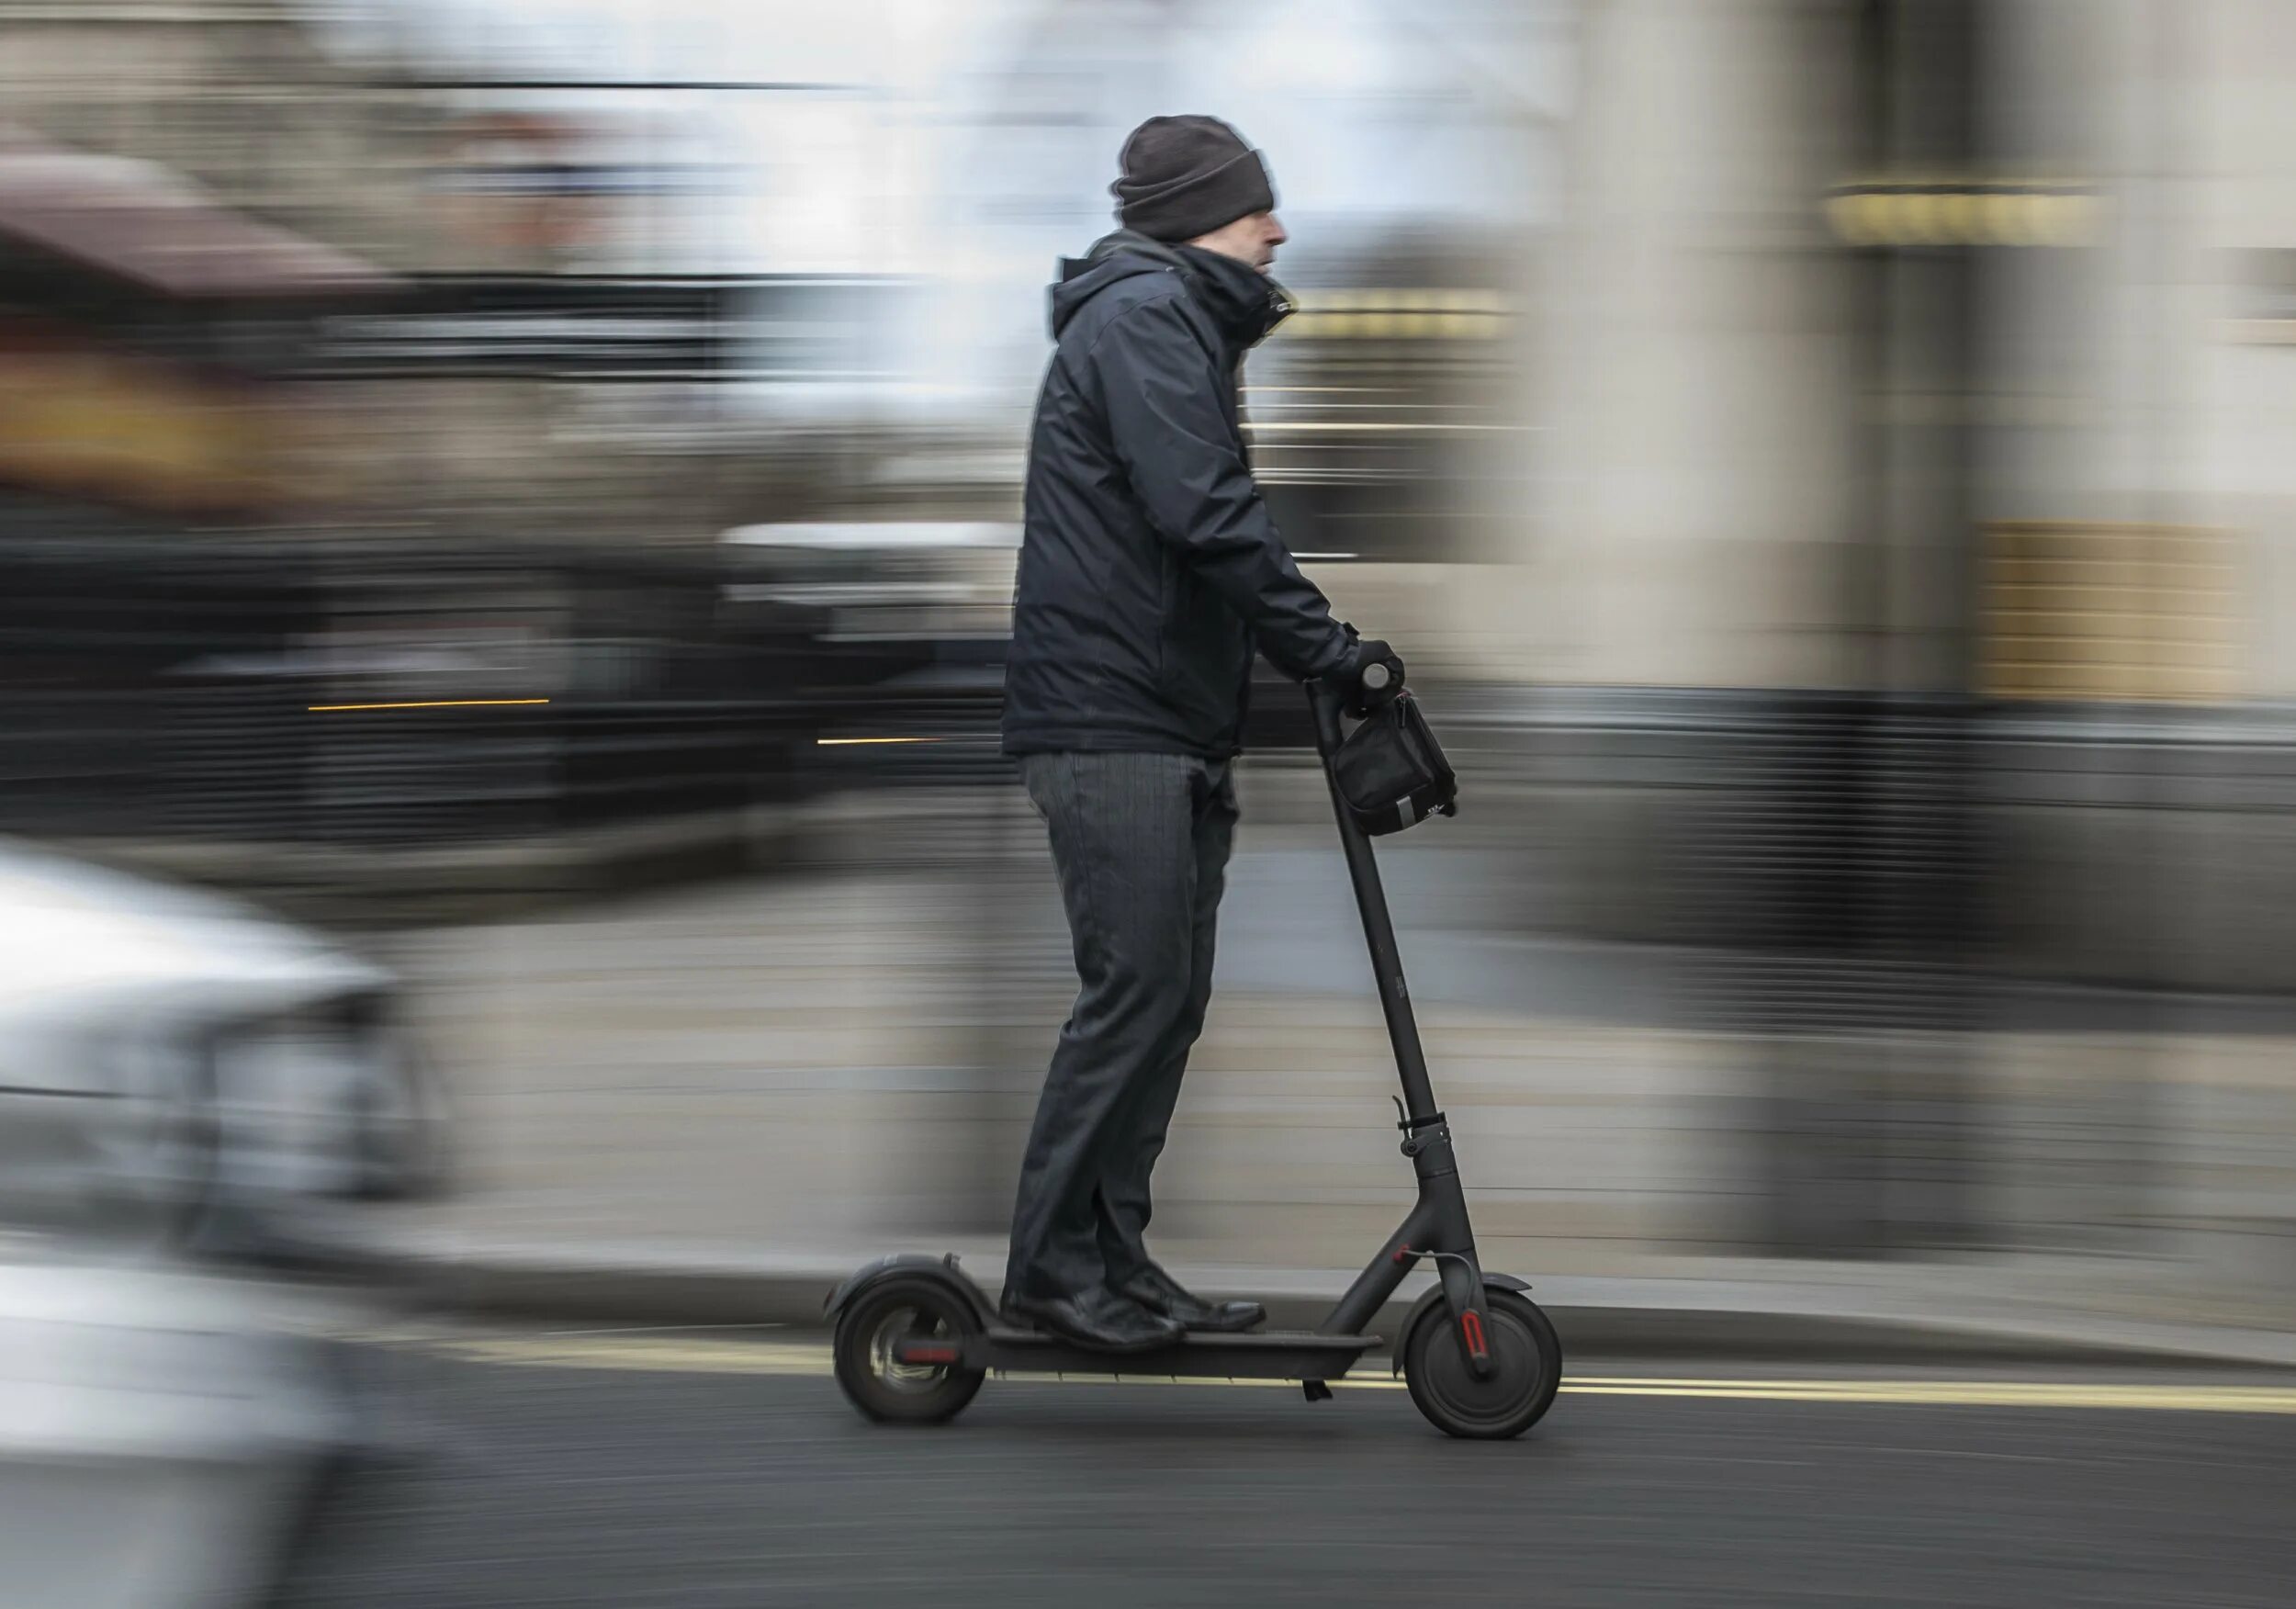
(592, 1471)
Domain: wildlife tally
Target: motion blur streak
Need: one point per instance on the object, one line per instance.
(1826, 464)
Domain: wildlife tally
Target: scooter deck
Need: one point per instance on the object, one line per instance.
(1265, 1354)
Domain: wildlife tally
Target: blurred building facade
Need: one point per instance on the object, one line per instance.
(316, 391)
(1924, 354)
(486, 396)
(1903, 607)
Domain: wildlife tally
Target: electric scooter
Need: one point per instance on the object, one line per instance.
(915, 1337)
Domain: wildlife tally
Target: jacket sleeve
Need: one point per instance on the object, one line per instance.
(1162, 387)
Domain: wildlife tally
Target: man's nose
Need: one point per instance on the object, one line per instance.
(1276, 235)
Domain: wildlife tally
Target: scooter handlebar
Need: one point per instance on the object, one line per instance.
(1329, 703)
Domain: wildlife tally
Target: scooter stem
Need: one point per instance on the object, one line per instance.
(1325, 704)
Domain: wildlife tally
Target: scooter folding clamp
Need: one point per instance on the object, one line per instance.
(1406, 1122)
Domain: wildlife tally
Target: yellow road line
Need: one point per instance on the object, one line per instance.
(2192, 1399)
(427, 704)
(750, 1357)
(655, 1356)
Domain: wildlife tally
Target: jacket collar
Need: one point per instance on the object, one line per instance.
(1244, 303)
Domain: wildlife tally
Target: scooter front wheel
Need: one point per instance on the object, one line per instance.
(1526, 1370)
(874, 1375)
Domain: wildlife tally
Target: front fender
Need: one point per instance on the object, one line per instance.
(917, 1264)
(1435, 1296)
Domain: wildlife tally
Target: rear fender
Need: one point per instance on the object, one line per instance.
(910, 1265)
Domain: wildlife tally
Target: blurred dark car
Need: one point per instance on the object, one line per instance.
(906, 668)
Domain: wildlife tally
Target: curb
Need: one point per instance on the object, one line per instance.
(1689, 1319)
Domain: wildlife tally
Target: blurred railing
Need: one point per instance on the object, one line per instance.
(383, 695)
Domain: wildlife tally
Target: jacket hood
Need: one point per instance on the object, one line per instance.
(1245, 303)
(1121, 257)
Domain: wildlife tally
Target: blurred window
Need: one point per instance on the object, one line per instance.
(2102, 611)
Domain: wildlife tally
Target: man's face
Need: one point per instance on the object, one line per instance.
(1251, 238)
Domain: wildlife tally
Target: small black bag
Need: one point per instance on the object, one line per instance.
(1391, 771)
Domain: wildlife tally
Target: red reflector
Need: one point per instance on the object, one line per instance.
(1471, 1331)
(914, 1354)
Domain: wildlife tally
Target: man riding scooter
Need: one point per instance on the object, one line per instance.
(1150, 573)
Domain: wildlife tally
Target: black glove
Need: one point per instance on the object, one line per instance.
(1372, 676)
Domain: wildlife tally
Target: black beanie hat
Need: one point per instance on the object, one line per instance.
(1188, 176)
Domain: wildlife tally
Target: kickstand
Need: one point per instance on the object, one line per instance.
(1316, 1390)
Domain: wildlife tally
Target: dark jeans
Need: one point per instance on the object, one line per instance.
(1140, 844)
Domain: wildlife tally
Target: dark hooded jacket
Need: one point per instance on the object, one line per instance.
(1149, 567)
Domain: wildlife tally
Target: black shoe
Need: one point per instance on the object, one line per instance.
(1160, 1293)
(1097, 1320)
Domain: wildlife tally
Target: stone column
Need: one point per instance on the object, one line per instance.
(1686, 362)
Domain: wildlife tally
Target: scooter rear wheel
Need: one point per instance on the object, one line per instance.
(879, 1383)
(1526, 1370)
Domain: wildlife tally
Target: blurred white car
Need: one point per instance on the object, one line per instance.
(165, 1436)
(165, 1049)
(175, 1068)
